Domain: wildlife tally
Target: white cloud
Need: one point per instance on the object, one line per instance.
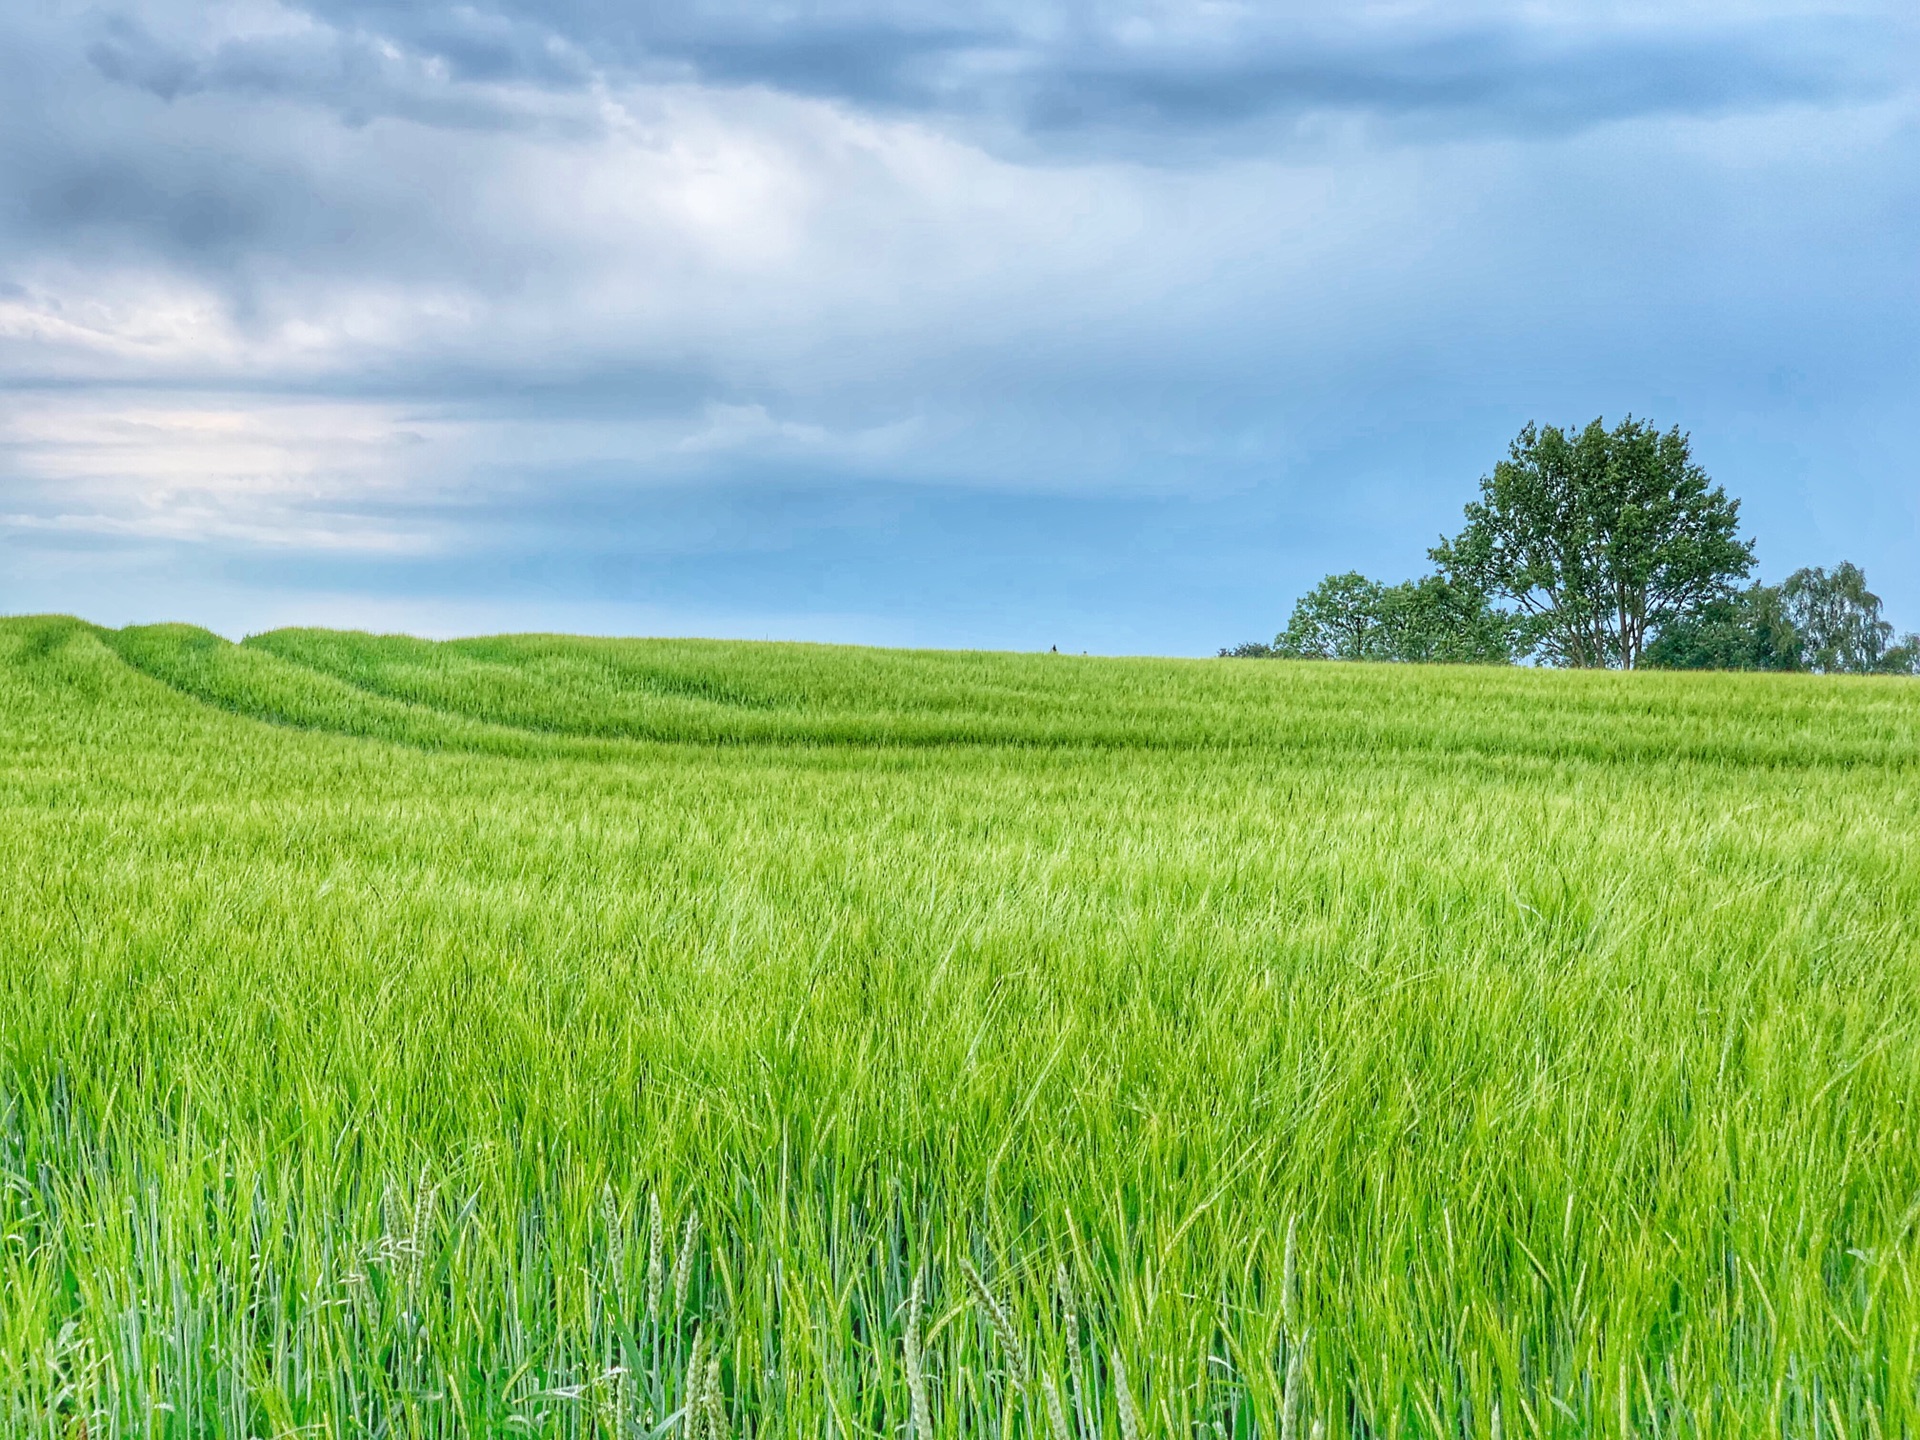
(306, 474)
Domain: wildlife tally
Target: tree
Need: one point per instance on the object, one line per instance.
(1349, 617)
(1434, 619)
(1339, 619)
(1749, 630)
(1600, 538)
(1839, 623)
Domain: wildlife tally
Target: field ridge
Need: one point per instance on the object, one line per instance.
(529, 693)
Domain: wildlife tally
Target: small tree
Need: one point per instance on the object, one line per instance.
(1434, 619)
(1839, 623)
(1339, 619)
(1349, 617)
(1600, 538)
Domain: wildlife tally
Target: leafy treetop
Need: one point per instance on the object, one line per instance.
(1599, 538)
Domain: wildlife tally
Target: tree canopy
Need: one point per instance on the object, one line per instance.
(1349, 617)
(1839, 625)
(1749, 630)
(1599, 538)
(1825, 621)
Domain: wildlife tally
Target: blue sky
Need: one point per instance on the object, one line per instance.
(1110, 326)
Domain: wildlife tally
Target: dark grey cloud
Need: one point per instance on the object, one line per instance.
(357, 73)
(131, 54)
(1491, 77)
(139, 145)
(1123, 79)
(1440, 79)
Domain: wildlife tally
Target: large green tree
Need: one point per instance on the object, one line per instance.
(1599, 538)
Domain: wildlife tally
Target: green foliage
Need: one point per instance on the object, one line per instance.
(1349, 617)
(1902, 658)
(1367, 1048)
(1829, 623)
(1600, 537)
(1749, 630)
(1341, 618)
(1436, 619)
(1840, 626)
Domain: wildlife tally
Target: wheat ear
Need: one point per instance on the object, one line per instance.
(1055, 1415)
(1129, 1414)
(691, 1414)
(1296, 1384)
(683, 1262)
(1002, 1324)
(717, 1428)
(1076, 1364)
(655, 1257)
(916, 1372)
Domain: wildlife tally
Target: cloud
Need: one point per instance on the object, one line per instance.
(1151, 79)
(458, 294)
(1159, 82)
(286, 53)
(315, 476)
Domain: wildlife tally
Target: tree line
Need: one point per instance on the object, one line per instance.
(1600, 548)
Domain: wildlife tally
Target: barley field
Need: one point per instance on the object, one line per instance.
(545, 1036)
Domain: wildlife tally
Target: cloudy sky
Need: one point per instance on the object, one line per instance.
(1104, 325)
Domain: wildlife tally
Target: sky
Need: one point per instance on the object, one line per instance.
(1110, 326)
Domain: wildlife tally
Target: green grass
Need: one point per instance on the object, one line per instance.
(360, 997)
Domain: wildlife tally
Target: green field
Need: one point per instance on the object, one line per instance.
(521, 1036)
